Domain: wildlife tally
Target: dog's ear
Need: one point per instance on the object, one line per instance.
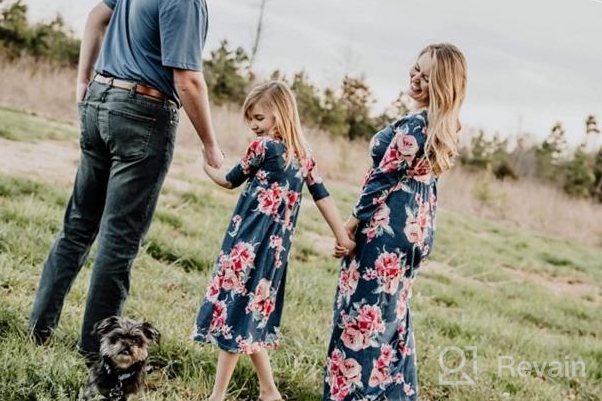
(106, 325)
(151, 332)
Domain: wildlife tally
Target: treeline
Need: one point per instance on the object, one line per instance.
(47, 41)
(577, 171)
(344, 111)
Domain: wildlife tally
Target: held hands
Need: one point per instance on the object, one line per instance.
(346, 246)
(214, 157)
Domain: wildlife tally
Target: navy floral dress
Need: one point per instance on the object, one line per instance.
(371, 355)
(242, 308)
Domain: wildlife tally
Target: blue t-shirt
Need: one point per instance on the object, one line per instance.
(146, 39)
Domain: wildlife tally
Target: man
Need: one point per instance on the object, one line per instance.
(149, 65)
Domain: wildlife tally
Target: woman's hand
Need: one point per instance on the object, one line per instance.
(351, 226)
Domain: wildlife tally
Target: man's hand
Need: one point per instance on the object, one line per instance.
(214, 156)
(194, 94)
(96, 24)
(80, 91)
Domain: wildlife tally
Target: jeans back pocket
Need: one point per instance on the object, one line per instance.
(130, 133)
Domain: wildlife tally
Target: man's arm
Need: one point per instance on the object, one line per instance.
(192, 90)
(96, 24)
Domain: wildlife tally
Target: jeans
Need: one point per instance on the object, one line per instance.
(127, 143)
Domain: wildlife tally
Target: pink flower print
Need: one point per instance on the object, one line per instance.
(213, 289)
(230, 280)
(255, 152)
(236, 221)
(242, 256)
(408, 147)
(247, 346)
(380, 374)
(291, 198)
(310, 172)
(388, 267)
(379, 377)
(351, 371)
(420, 170)
(262, 303)
(348, 281)
(412, 230)
(354, 338)
(360, 332)
(269, 199)
(390, 160)
(370, 319)
(276, 244)
(338, 388)
(404, 350)
(217, 325)
(262, 177)
(408, 389)
(379, 223)
(342, 374)
(402, 302)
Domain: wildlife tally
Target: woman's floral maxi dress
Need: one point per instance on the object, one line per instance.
(371, 353)
(242, 307)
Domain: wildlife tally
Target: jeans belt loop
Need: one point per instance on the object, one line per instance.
(103, 96)
(133, 90)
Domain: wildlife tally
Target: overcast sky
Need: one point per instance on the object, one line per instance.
(530, 63)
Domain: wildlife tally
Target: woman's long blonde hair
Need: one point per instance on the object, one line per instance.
(447, 90)
(278, 97)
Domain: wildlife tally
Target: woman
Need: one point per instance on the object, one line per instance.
(371, 355)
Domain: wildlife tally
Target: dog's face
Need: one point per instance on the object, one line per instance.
(125, 341)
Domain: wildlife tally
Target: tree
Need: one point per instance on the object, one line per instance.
(357, 100)
(592, 132)
(308, 100)
(550, 154)
(334, 114)
(227, 74)
(578, 177)
(51, 41)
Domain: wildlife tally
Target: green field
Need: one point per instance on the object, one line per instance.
(489, 284)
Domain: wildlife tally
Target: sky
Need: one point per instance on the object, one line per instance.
(530, 63)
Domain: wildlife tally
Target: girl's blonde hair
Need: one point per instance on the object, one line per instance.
(278, 97)
(447, 90)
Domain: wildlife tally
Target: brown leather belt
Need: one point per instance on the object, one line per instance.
(128, 85)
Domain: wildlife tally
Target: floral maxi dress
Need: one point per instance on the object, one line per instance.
(242, 307)
(371, 355)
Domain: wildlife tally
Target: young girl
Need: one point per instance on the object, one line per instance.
(243, 305)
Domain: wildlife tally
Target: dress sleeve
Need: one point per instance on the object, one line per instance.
(406, 145)
(249, 164)
(314, 182)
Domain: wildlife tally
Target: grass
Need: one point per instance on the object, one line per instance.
(21, 126)
(505, 290)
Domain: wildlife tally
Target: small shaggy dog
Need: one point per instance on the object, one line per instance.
(120, 369)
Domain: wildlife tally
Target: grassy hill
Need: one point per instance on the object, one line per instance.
(489, 284)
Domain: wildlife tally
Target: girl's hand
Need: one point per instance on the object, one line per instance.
(344, 247)
(339, 251)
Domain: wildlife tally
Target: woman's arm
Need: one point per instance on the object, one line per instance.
(406, 145)
(329, 211)
(218, 176)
